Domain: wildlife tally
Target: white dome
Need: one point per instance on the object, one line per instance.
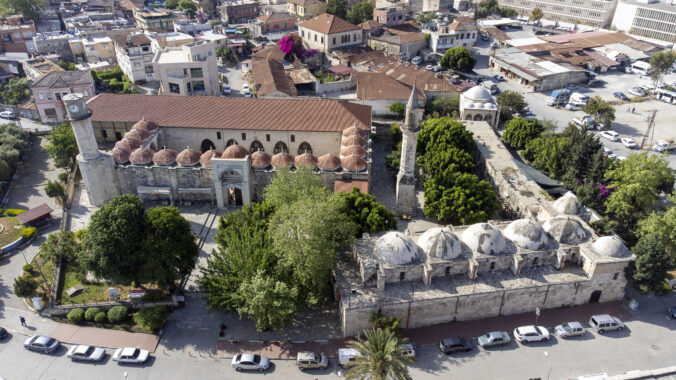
(566, 230)
(478, 93)
(526, 234)
(567, 204)
(396, 248)
(440, 243)
(611, 246)
(484, 238)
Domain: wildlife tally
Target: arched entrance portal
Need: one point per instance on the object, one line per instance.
(234, 196)
(595, 296)
(207, 145)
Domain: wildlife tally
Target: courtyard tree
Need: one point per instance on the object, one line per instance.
(467, 200)
(5, 171)
(14, 91)
(188, 7)
(444, 132)
(366, 212)
(14, 143)
(171, 4)
(29, 9)
(382, 357)
(292, 45)
(60, 245)
(602, 111)
(62, 147)
(663, 225)
(648, 271)
(54, 189)
(439, 162)
(661, 64)
(337, 8)
(536, 14)
(519, 132)
(508, 12)
(425, 18)
(360, 12)
(287, 187)
(67, 65)
(458, 59)
(398, 108)
(269, 302)
(509, 103)
(443, 106)
(24, 286)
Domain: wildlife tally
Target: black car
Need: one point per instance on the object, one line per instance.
(3, 333)
(455, 344)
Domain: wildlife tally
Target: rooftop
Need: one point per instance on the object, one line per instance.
(328, 24)
(270, 76)
(131, 40)
(63, 79)
(379, 86)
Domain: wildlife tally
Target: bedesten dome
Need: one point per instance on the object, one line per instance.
(611, 246)
(566, 230)
(189, 157)
(205, 158)
(235, 151)
(395, 248)
(567, 204)
(484, 238)
(440, 242)
(527, 234)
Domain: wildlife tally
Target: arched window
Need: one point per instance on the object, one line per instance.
(468, 117)
(280, 147)
(256, 146)
(304, 148)
(488, 119)
(477, 117)
(230, 142)
(207, 145)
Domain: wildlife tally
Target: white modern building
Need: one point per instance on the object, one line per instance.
(135, 56)
(461, 32)
(647, 18)
(187, 70)
(596, 13)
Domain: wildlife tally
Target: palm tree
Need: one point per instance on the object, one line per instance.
(382, 357)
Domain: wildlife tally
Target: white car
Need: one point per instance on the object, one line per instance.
(7, 114)
(572, 107)
(410, 351)
(610, 135)
(250, 362)
(84, 352)
(629, 143)
(637, 91)
(227, 90)
(416, 60)
(246, 91)
(570, 329)
(661, 146)
(130, 355)
(609, 153)
(525, 334)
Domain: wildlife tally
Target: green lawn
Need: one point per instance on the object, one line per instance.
(93, 291)
(12, 230)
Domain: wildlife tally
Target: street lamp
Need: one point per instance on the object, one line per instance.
(550, 365)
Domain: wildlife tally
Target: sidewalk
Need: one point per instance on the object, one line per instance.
(104, 337)
(430, 335)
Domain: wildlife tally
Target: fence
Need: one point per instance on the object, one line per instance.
(61, 310)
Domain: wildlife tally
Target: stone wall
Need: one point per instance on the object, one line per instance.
(337, 86)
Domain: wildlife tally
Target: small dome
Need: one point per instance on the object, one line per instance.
(353, 163)
(353, 150)
(128, 143)
(124, 145)
(235, 151)
(205, 158)
(353, 130)
(566, 230)
(484, 238)
(145, 125)
(611, 246)
(441, 243)
(142, 133)
(189, 157)
(141, 156)
(395, 248)
(478, 94)
(328, 162)
(120, 156)
(165, 157)
(526, 234)
(305, 160)
(281, 160)
(260, 159)
(353, 140)
(134, 135)
(567, 204)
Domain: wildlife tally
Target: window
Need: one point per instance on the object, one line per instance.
(149, 69)
(322, 39)
(616, 275)
(86, 92)
(315, 37)
(535, 261)
(334, 40)
(293, 138)
(49, 95)
(230, 142)
(280, 147)
(91, 48)
(196, 72)
(50, 112)
(218, 135)
(174, 88)
(58, 96)
(256, 146)
(104, 133)
(137, 64)
(402, 276)
(105, 46)
(145, 49)
(118, 136)
(492, 265)
(41, 96)
(267, 137)
(304, 148)
(243, 136)
(448, 271)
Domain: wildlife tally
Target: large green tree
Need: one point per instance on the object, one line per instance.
(60, 245)
(30, 9)
(14, 92)
(366, 212)
(661, 63)
(602, 111)
(547, 153)
(288, 187)
(519, 132)
(509, 103)
(382, 357)
(62, 147)
(269, 302)
(360, 12)
(536, 14)
(187, 6)
(442, 132)
(486, 8)
(443, 106)
(663, 225)
(13, 143)
(337, 8)
(171, 4)
(648, 271)
(25, 286)
(458, 58)
(467, 200)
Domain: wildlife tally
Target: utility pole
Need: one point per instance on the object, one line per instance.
(648, 136)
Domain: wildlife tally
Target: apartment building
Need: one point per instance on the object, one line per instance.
(647, 18)
(390, 16)
(54, 43)
(187, 70)
(462, 31)
(274, 23)
(16, 35)
(305, 9)
(93, 49)
(49, 89)
(239, 12)
(596, 13)
(135, 56)
(157, 20)
(328, 32)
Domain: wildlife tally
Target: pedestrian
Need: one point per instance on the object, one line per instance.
(23, 321)
(633, 109)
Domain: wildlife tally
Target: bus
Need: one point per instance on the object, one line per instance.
(640, 67)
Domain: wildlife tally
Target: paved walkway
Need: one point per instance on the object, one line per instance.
(104, 337)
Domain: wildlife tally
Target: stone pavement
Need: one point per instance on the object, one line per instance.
(104, 337)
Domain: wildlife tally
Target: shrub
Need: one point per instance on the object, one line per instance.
(151, 318)
(63, 177)
(91, 313)
(79, 234)
(27, 268)
(76, 315)
(13, 212)
(100, 317)
(24, 286)
(2, 211)
(28, 232)
(117, 314)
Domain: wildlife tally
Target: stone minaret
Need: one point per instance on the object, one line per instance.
(97, 168)
(406, 176)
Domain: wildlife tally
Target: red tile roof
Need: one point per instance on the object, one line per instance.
(328, 24)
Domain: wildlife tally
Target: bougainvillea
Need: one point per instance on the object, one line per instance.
(292, 44)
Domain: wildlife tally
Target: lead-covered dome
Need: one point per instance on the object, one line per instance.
(567, 204)
(395, 248)
(134, 135)
(205, 158)
(353, 140)
(120, 156)
(128, 144)
(440, 242)
(189, 157)
(354, 131)
(478, 94)
(235, 151)
(484, 238)
(611, 246)
(353, 150)
(353, 163)
(527, 234)
(566, 230)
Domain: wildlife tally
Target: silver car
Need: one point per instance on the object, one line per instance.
(42, 343)
(130, 355)
(570, 329)
(87, 353)
(250, 362)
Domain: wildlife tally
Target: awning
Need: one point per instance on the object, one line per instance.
(34, 214)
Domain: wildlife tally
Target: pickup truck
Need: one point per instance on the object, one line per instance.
(584, 120)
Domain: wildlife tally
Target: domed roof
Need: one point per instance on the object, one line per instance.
(141, 156)
(260, 159)
(527, 234)
(235, 151)
(120, 156)
(484, 238)
(281, 160)
(353, 130)
(567, 204)
(353, 150)
(189, 157)
(611, 246)
(124, 145)
(353, 140)
(441, 243)
(205, 158)
(144, 134)
(478, 94)
(328, 162)
(566, 230)
(395, 248)
(133, 135)
(305, 160)
(146, 125)
(165, 157)
(353, 163)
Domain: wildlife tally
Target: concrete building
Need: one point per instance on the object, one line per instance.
(305, 9)
(93, 49)
(463, 31)
(274, 23)
(596, 13)
(135, 56)
(49, 90)
(396, 42)
(390, 16)
(478, 104)
(239, 12)
(206, 7)
(156, 20)
(430, 5)
(219, 40)
(16, 35)
(187, 70)
(54, 43)
(328, 32)
(171, 39)
(36, 67)
(648, 18)
(191, 27)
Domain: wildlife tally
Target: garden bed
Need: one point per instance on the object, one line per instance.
(127, 325)
(12, 230)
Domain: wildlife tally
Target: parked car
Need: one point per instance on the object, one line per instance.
(310, 360)
(637, 91)
(130, 355)
(661, 146)
(571, 86)
(416, 60)
(609, 153)
(494, 338)
(42, 343)
(246, 91)
(573, 107)
(455, 344)
(250, 362)
(525, 334)
(7, 114)
(629, 142)
(498, 78)
(628, 70)
(610, 135)
(3, 333)
(410, 351)
(429, 67)
(484, 37)
(671, 313)
(620, 95)
(227, 90)
(604, 322)
(436, 68)
(347, 355)
(87, 353)
(569, 329)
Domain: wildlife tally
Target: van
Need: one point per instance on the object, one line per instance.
(604, 322)
(577, 98)
(640, 67)
(416, 60)
(310, 360)
(347, 356)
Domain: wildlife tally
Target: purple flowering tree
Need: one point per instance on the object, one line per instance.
(292, 44)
